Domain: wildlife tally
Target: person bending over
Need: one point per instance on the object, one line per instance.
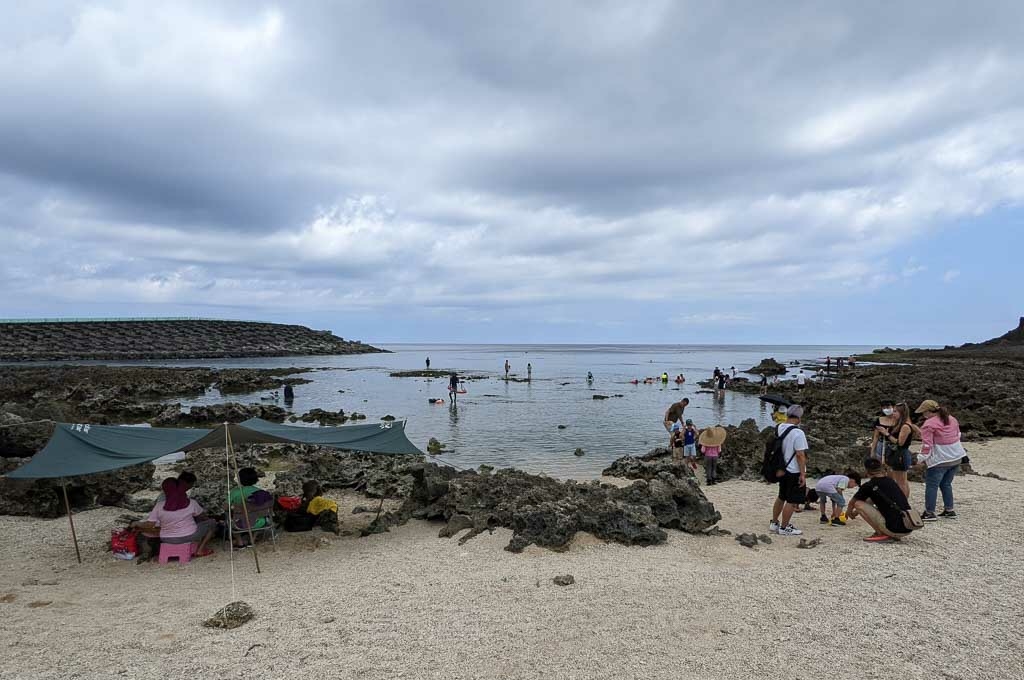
(831, 487)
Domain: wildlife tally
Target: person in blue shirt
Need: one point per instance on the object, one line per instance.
(690, 444)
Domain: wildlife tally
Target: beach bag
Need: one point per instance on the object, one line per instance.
(774, 464)
(124, 544)
(910, 520)
(289, 503)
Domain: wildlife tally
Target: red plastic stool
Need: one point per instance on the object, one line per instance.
(183, 551)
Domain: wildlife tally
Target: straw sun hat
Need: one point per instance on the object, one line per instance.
(713, 436)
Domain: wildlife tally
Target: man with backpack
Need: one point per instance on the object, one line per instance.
(786, 463)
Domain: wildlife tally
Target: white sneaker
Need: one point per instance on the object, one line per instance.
(773, 527)
(789, 530)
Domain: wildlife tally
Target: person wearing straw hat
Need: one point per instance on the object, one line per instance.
(793, 483)
(711, 440)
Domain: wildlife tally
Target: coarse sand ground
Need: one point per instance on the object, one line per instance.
(946, 603)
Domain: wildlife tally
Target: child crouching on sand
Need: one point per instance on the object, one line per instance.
(830, 488)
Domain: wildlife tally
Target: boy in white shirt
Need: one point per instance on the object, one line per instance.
(830, 488)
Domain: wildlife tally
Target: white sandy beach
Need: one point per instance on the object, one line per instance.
(407, 604)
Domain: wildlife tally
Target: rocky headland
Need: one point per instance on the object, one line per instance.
(165, 339)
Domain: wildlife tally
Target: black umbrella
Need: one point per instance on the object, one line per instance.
(776, 399)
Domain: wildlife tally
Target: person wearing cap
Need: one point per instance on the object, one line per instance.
(941, 452)
(881, 502)
(792, 484)
(711, 441)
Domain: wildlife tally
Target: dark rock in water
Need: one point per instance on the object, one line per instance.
(747, 540)
(562, 427)
(435, 447)
(564, 580)
(388, 418)
(600, 396)
(325, 418)
(44, 498)
(231, 616)
(578, 452)
(768, 367)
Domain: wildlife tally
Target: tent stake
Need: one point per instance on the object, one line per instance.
(74, 536)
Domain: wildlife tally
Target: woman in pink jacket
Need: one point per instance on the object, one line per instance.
(941, 452)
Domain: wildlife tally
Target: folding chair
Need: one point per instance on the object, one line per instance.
(265, 511)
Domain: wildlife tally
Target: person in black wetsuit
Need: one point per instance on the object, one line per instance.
(453, 387)
(428, 363)
(289, 394)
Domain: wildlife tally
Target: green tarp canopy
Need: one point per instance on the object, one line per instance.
(79, 449)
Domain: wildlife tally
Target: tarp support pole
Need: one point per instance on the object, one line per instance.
(74, 536)
(245, 507)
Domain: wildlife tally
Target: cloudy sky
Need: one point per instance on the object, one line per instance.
(519, 172)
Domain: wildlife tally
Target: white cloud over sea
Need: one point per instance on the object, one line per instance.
(474, 160)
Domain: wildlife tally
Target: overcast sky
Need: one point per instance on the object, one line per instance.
(528, 171)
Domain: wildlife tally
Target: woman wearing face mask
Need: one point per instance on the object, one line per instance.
(881, 431)
(898, 457)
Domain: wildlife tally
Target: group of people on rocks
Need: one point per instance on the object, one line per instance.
(685, 438)
(881, 491)
(176, 518)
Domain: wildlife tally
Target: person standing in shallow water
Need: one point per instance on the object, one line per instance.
(428, 363)
(508, 367)
(453, 387)
(529, 372)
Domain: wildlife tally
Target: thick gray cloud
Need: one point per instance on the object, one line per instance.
(477, 156)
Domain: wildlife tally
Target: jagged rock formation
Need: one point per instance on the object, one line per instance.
(165, 339)
(548, 513)
(43, 497)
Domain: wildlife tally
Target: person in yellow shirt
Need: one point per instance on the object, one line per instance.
(324, 509)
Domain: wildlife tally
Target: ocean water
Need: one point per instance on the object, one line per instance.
(509, 424)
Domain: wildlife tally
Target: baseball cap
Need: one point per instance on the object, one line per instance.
(927, 405)
(795, 411)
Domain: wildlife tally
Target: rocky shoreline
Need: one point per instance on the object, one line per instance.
(983, 393)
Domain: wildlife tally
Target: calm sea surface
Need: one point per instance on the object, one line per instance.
(508, 424)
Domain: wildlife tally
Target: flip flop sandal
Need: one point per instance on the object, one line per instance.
(878, 539)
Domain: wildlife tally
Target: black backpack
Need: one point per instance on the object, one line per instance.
(774, 464)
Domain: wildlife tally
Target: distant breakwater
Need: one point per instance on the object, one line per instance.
(127, 339)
